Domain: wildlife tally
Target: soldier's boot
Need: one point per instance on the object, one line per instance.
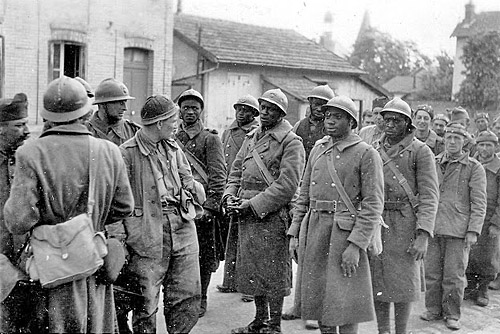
(205, 282)
(482, 294)
(260, 323)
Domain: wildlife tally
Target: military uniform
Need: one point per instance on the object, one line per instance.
(232, 139)
(309, 132)
(462, 208)
(117, 133)
(206, 146)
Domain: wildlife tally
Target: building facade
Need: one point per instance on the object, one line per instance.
(130, 40)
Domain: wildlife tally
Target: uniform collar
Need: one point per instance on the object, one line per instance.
(349, 141)
(278, 132)
(67, 129)
(493, 165)
(147, 146)
(104, 127)
(443, 158)
(247, 127)
(192, 130)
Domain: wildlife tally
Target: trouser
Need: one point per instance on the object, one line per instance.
(229, 279)
(177, 271)
(445, 281)
(24, 311)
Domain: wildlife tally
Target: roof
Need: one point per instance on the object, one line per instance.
(400, 84)
(237, 43)
(481, 22)
(299, 87)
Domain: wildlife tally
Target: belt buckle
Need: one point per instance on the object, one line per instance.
(334, 209)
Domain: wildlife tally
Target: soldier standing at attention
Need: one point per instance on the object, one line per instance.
(203, 149)
(411, 197)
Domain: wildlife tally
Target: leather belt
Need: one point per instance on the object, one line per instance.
(253, 185)
(330, 206)
(169, 207)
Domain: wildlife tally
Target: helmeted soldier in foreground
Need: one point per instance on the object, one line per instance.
(261, 203)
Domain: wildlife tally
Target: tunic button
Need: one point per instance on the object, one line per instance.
(401, 155)
(333, 184)
(394, 177)
(153, 187)
(153, 215)
(338, 157)
(314, 210)
(313, 182)
(227, 154)
(153, 202)
(228, 145)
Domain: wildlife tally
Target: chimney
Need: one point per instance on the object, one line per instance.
(179, 6)
(469, 12)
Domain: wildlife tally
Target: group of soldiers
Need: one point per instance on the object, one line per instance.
(181, 199)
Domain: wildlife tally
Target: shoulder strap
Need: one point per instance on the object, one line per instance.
(197, 164)
(400, 177)
(340, 187)
(92, 174)
(263, 169)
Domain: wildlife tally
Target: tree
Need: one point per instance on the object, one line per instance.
(384, 57)
(437, 84)
(480, 89)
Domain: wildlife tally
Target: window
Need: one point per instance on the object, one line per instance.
(67, 59)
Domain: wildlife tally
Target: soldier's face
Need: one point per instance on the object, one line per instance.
(168, 127)
(379, 120)
(190, 111)
(438, 127)
(422, 120)
(453, 143)
(115, 110)
(395, 125)
(14, 133)
(270, 114)
(486, 149)
(482, 124)
(244, 114)
(315, 105)
(337, 123)
(496, 129)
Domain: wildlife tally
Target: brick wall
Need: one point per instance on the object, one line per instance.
(104, 27)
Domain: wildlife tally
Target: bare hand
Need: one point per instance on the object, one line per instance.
(293, 247)
(470, 239)
(418, 247)
(350, 260)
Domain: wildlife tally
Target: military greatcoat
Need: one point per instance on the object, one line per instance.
(263, 265)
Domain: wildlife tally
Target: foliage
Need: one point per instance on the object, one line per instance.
(480, 89)
(437, 84)
(384, 57)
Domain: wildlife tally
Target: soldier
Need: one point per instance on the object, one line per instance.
(424, 114)
(439, 124)
(482, 121)
(336, 284)
(459, 219)
(18, 313)
(367, 118)
(50, 186)
(246, 109)
(203, 148)
(311, 128)
(111, 97)
(261, 202)
(483, 259)
(371, 133)
(411, 197)
(163, 242)
(461, 116)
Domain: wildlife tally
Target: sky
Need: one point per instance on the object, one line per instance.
(429, 23)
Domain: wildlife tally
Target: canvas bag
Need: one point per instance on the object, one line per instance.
(70, 250)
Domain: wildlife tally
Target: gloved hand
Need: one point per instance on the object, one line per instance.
(470, 239)
(244, 208)
(418, 247)
(350, 260)
(209, 215)
(293, 248)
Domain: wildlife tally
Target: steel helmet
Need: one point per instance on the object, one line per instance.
(323, 92)
(65, 100)
(193, 94)
(110, 90)
(343, 103)
(276, 97)
(398, 106)
(250, 101)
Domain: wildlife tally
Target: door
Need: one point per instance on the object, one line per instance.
(135, 77)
